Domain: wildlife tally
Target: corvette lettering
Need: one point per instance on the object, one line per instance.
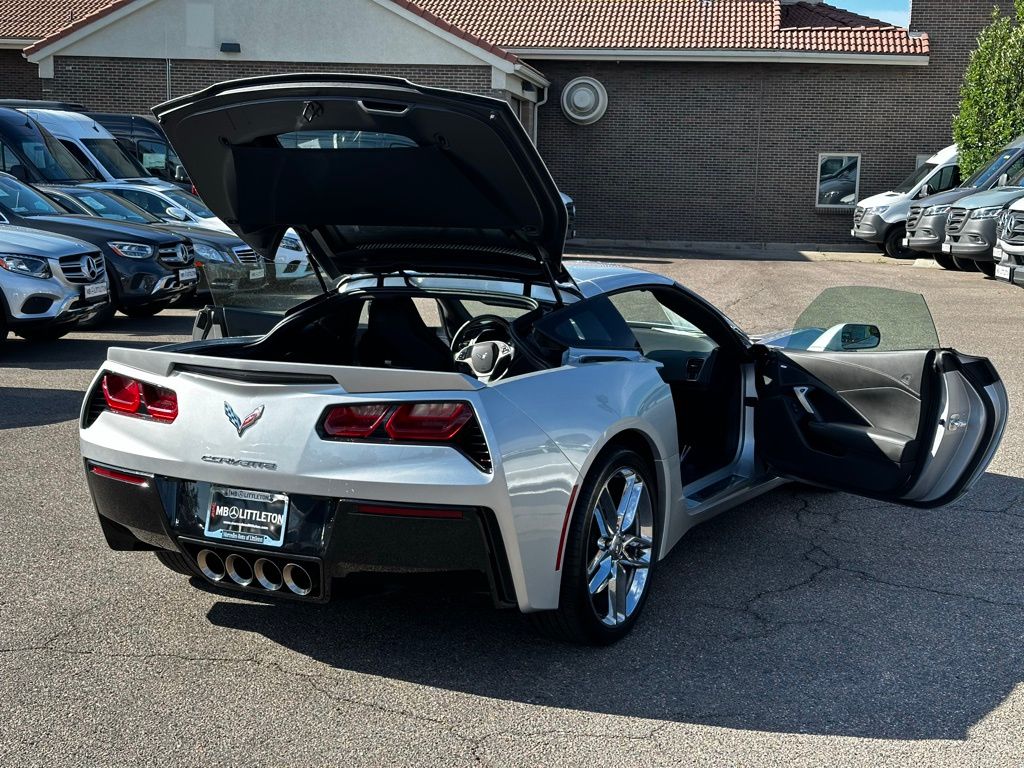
(247, 463)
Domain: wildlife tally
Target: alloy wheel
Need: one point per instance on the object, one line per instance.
(620, 541)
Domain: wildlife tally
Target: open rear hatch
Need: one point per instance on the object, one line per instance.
(375, 173)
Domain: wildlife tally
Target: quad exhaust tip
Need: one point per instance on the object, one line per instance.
(268, 574)
(211, 565)
(298, 579)
(239, 570)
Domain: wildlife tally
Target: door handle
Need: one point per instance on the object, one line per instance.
(801, 396)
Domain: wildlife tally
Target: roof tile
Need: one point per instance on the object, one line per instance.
(35, 19)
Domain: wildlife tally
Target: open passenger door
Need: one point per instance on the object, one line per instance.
(859, 397)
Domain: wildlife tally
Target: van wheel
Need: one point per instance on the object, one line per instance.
(945, 261)
(894, 247)
(988, 268)
(609, 553)
(965, 265)
(3, 327)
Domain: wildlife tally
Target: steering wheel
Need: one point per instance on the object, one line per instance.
(488, 359)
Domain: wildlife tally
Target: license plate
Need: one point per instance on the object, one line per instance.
(853, 232)
(947, 247)
(94, 291)
(1002, 272)
(998, 253)
(187, 274)
(906, 242)
(257, 274)
(250, 517)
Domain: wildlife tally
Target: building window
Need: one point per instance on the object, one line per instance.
(838, 180)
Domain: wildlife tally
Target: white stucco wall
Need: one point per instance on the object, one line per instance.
(271, 30)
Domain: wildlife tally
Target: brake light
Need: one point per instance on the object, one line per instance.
(162, 404)
(121, 393)
(428, 421)
(124, 394)
(354, 420)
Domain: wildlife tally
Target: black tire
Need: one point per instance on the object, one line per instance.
(945, 260)
(176, 561)
(146, 310)
(3, 326)
(45, 334)
(988, 268)
(577, 619)
(965, 265)
(894, 247)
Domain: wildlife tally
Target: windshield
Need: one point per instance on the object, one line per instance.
(48, 156)
(190, 203)
(984, 175)
(22, 200)
(110, 207)
(911, 182)
(114, 159)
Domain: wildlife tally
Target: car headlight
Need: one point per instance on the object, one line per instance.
(132, 250)
(25, 265)
(987, 213)
(209, 253)
(937, 210)
(877, 210)
(291, 242)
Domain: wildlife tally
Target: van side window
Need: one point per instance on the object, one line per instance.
(947, 178)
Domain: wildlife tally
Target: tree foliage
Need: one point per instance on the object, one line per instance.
(992, 97)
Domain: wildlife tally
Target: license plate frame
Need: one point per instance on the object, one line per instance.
(1004, 272)
(188, 275)
(95, 291)
(257, 273)
(947, 247)
(248, 517)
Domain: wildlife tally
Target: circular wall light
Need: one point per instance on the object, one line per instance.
(584, 100)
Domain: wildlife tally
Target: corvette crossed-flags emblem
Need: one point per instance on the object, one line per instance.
(242, 424)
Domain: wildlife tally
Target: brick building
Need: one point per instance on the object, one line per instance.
(667, 120)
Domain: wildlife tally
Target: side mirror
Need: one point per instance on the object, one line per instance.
(854, 336)
(925, 190)
(1003, 180)
(178, 214)
(179, 173)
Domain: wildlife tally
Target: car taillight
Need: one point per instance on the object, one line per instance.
(124, 394)
(428, 421)
(121, 393)
(354, 421)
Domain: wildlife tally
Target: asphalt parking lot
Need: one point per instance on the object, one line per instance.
(804, 628)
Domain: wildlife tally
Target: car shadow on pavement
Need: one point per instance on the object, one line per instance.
(28, 407)
(801, 612)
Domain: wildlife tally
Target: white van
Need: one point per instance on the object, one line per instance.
(91, 144)
(882, 219)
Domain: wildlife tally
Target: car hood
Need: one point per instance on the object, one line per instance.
(451, 183)
(885, 198)
(203, 234)
(993, 197)
(32, 242)
(948, 197)
(87, 227)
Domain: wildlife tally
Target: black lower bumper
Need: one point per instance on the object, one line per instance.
(335, 537)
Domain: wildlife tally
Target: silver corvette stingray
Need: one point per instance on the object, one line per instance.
(449, 395)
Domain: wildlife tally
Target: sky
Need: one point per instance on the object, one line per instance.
(893, 11)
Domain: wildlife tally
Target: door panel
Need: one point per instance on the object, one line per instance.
(914, 427)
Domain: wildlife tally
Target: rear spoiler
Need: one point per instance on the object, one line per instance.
(350, 379)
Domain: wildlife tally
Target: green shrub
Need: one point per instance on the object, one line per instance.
(992, 97)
